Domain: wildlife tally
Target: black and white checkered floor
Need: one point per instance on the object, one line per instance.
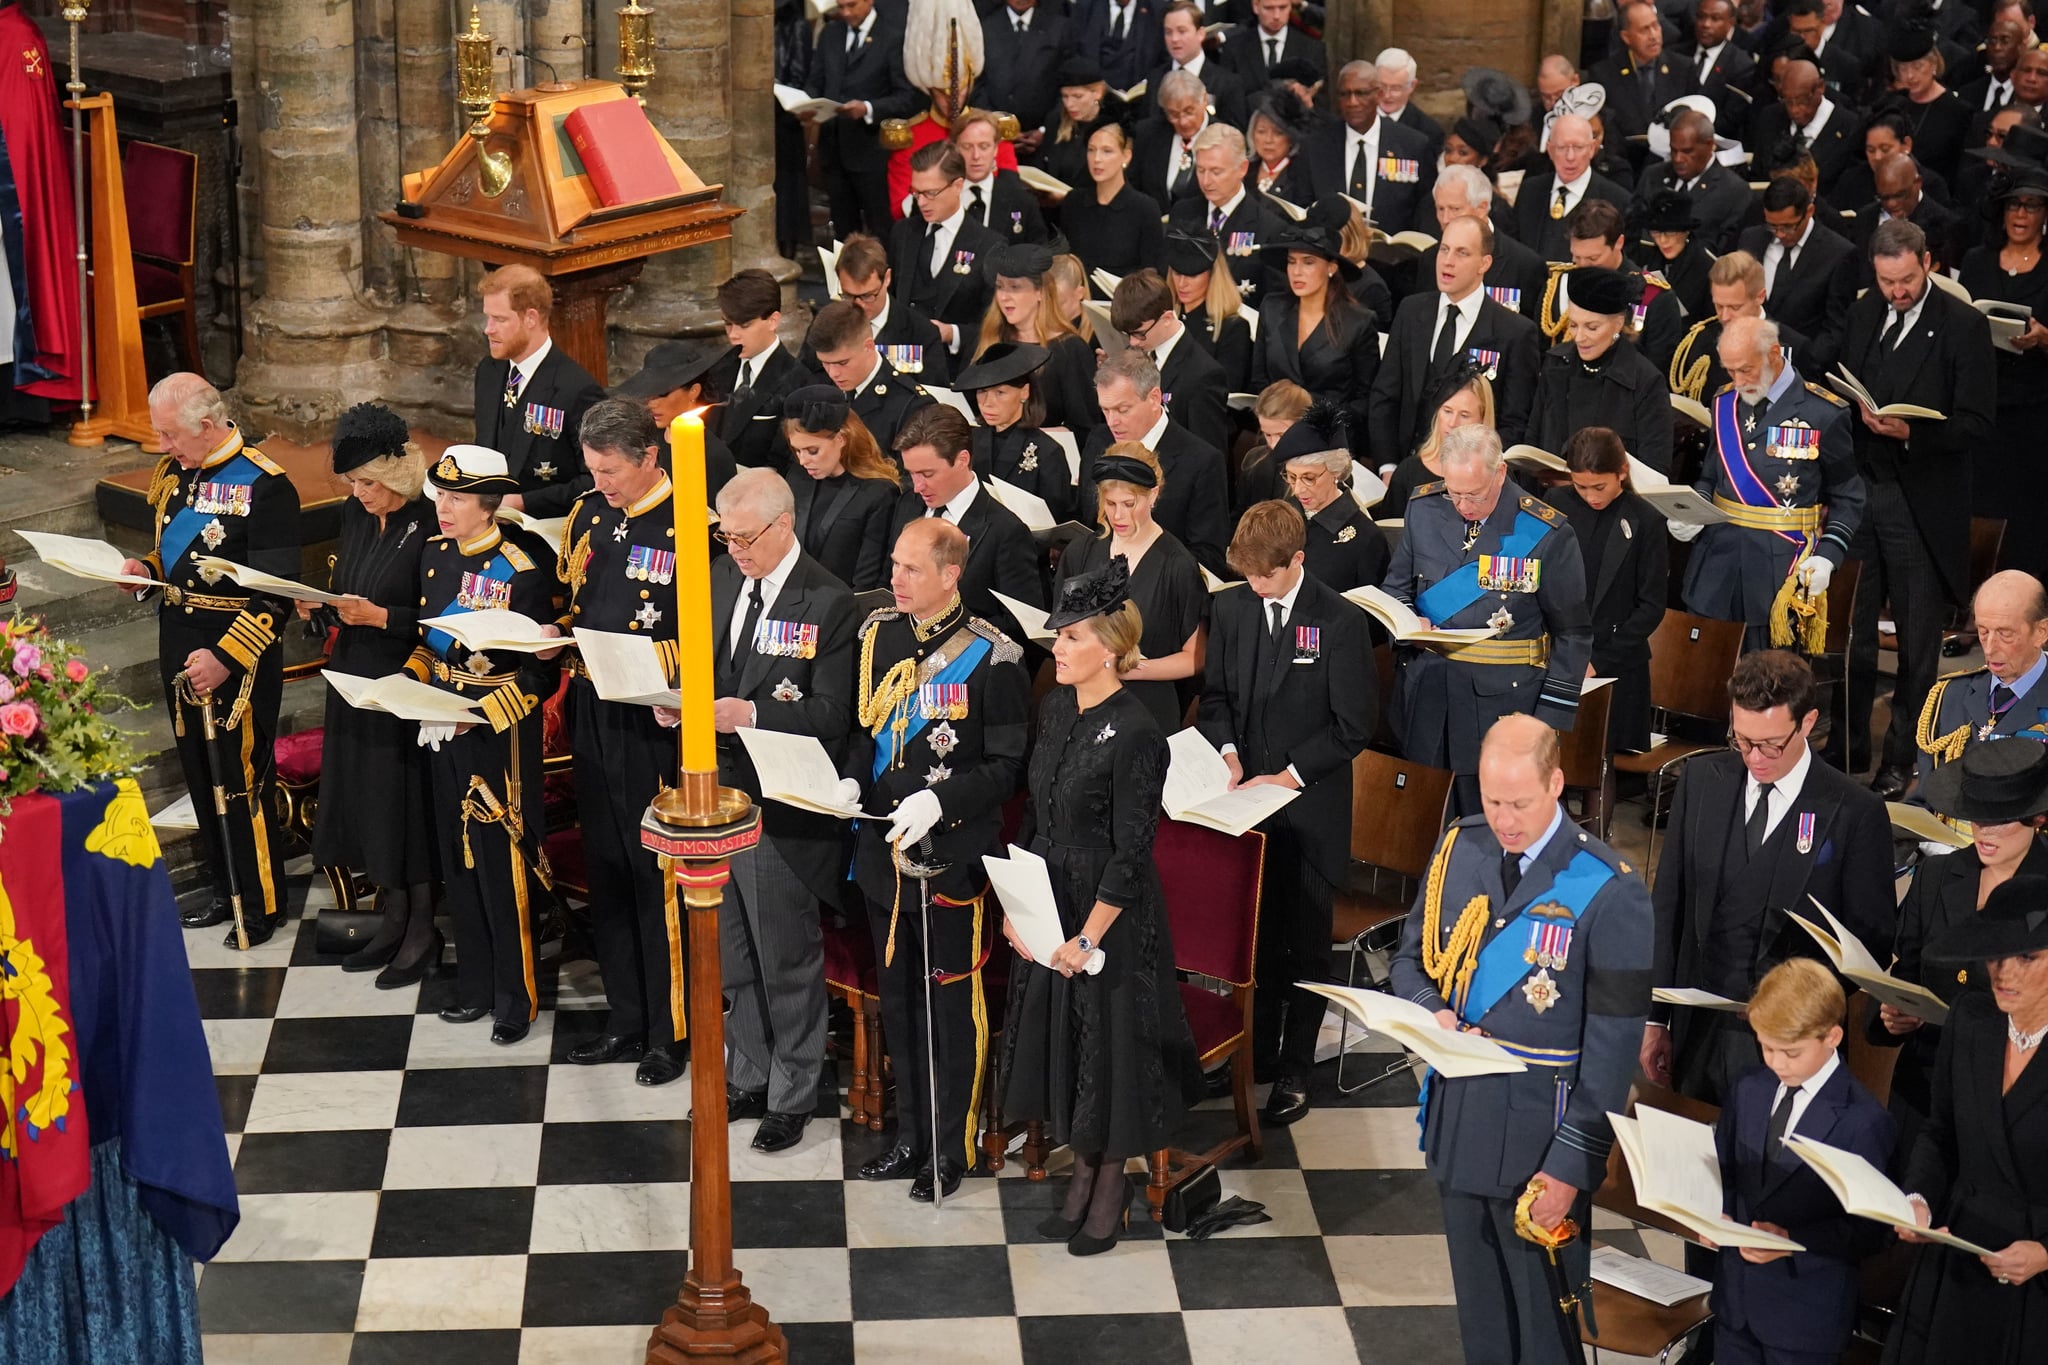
(412, 1193)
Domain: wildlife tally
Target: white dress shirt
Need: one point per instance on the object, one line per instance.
(988, 196)
(1811, 132)
(873, 370)
(1784, 792)
(1703, 60)
(1911, 318)
(1464, 316)
(1803, 1095)
(881, 319)
(1997, 94)
(1150, 440)
(1368, 142)
(1774, 255)
(1535, 850)
(1193, 68)
(942, 244)
(527, 366)
(1165, 348)
(1181, 152)
(771, 587)
(1228, 208)
(1574, 190)
(751, 366)
(956, 507)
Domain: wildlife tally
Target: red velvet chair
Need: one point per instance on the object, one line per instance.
(161, 190)
(850, 975)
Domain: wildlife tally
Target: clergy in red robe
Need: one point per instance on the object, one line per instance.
(39, 288)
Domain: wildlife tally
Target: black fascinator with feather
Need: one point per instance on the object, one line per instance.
(1091, 594)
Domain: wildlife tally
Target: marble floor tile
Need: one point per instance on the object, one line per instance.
(1384, 1272)
(237, 1045)
(627, 1217)
(957, 1341)
(799, 1284)
(300, 1348)
(817, 1155)
(882, 1214)
(609, 1094)
(321, 1101)
(441, 1293)
(463, 1157)
(332, 1226)
(1375, 1139)
(331, 993)
(1270, 1336)
(583, 1345)
(203, 949)
(437, 1043)
(1133, 1277)
(1283, 1192)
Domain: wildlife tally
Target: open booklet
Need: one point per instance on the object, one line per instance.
(1456, 1053)
(1404, 625)
(82, 558)
(1854, 961)
(798, 102)
(255, 580)
(547, 528)
(1677, 501)
(1024, 887)
(403, 696)
(2009, 321)
(1198, 790)
(625, 668)
(955, 400)
(1215, 584)
(796, 770)
(1692, 410)
(1677, 1172)
(1850, 387)
(1645, 1278)
(496, 628)
(1105, 281)
(180, 814)
(828, 261)
(1043, 183)
(1031, 620)
(1698, 999)
(1368, 489)
(1925, 825)
(1866, 1192)
(1107, 337)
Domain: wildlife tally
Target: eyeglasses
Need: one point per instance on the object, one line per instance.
(1461, 498)
(864, 297)
(1304, 478)
(1769, 748)
(927, 196)
(740, 542)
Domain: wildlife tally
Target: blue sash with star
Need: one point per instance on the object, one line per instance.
(1743, 483)
(498, 570)
(180, 531)
(1502, 963)
(958, 671)
(1459, 588)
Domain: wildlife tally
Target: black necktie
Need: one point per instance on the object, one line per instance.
(746, 384)
(1759, 817)
(1361, 174)
(977, 208)
(752, 620)
(1706, 61)
(1781, 1119)
(2001, 701)
(1272, 53)
(1117, 22)
(1890, 336)
(1510, 875)
(1278, 611)
(1446, 338)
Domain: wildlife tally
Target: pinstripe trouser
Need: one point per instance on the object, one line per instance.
(773, 956)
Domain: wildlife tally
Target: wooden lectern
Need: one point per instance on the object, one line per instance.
(521, 194)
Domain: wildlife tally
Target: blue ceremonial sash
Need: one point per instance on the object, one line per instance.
(1459, 588)
(184, 528)
(958, 671)
(499, 570)
(1501, 962)
(1748, 489)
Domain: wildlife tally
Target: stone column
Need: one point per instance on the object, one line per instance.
(1445, 39)
(312, 344)
(751, 183)
(555, 34)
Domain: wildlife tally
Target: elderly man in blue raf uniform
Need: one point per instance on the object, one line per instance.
(1538, 935)
(1782, 468)
(2005, 698)
(1476, 556)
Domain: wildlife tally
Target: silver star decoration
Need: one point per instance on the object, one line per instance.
(647, 615)
(214, 534)
(934, 776)
(619, 531)
(1108, 731)
(1501, 620)
(1788, 488)
(544, 471)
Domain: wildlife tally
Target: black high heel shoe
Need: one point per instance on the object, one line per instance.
(1058, 1229)
(1081, 1244)
(395, 977)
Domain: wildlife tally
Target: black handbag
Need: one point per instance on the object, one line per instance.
(1192, 1198)
(338, 932)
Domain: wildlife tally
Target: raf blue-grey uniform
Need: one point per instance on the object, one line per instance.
(1524, 563)
(1577, 1025)
(1785, 469)
(1961, 711)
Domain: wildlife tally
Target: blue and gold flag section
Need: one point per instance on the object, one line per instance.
(113, 1280)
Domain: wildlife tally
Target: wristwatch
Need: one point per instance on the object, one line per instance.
(1087, 944)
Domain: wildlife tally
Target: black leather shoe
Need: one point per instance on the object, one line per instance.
(898, 1163)
(463, 1014)
(1287, 1102)
(950, 1172)
(1216, 1084)
(779, 1132)
(260, 928)
(507, 1032)
(744, 1104)
(609, 1047)
(206, 916)
(397, 976)
(1890, 783)
(1956, 646)
(660, 1065)
(370, 958)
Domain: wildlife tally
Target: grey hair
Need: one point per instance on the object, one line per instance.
(1472, 181)
(1221, 135)
(188, 400)
(1182, 84)
(760, 489)
(1338, 462)
(1359, 65)
(1397, 58)
(1467, 444)
(622, 427)
(1133, 365)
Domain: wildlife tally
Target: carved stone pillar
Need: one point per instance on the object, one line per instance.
(1444, 39)
(751, 183)
(556, 36)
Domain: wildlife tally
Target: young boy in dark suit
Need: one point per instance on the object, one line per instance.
(1778, 1307)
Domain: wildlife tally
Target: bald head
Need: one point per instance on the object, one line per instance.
(1555, 76)
(1898, 185)
(2011, 614)
(1520, 779)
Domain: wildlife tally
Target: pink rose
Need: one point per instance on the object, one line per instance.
(19, 719)
(76, 670)
(27, 659)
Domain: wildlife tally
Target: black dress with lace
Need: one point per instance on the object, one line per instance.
(1106, 1061)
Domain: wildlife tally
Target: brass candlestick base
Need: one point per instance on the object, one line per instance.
(696, 829)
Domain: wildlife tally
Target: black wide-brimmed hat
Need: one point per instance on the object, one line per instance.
(1006, 362)
(2030, 182)
(2014, 920)
(1597, 289)
(1079, 71)
(1995, 783)
(1280, 106)
(1320, 233)
(2026, 148)
(1091, 593)
(672, 365)
(365, 432)
(1319, 431)
(1017, 261)
(1670, 211)
(817, 407)
(1495, 94)
(1190, 253)
(471, 469)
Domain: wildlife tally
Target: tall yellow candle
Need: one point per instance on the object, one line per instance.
(693, 593)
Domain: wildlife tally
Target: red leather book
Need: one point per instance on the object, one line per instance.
(622, 152)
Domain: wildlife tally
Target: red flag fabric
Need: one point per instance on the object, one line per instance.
(37, 149)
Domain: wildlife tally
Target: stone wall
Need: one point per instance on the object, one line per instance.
(1447, 36)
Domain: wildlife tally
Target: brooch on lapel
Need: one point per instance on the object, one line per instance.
(1106, 733)
(1628, 532)
(787, 691)
(1017, 223)
(1028, 462)
(1347, 535)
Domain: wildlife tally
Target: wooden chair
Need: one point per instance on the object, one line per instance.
(1867, 1062)
(850, 975)
(1690, 660)
(1832, 663)
(1585, 759)
(1211, 882)
(1987, 538)
(161, 191)
(1397, 814)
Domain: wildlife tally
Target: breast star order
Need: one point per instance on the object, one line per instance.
(647, 615)
(544, 471)
(1788, 488)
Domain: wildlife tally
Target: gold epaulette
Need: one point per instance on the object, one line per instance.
(1686, 375)
(262, 461)
(1729, 387)
(1536, 507)
(1006, 650)
(515, 556)
(1656, 277)
(1942, 748)
(1555, 322)
(876, 617)
(1829, 394)
(1424, 490)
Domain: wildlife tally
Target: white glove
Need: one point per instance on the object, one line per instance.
(1684, 530)
(849, 791)
(1930, 848)
(1816, 572)
(914, 817)
(433, 736)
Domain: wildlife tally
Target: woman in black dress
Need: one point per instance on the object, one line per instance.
(1676, 252)
(1026, 308)
(1111, 226)
(1317, 334)
(1095, 1043)
(1010, 441)
(1598, 379)
(845, 488)
(2008, 470)
(375, 817)
(1206, 294)
(1628, 572)
(1165, 580)
(1467, 397)
(1937, 120)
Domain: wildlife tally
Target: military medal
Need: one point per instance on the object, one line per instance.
(943, 738)
(480, 592)
(649, 565)
(1540, 991)
(787, 691)
(544, 470)
(1308, 644)
(620, 531)
(934, 776)
(1028, 461)
(1502, 619)
(963, 262)
(1106, 733)
(1509, 573)
(1987, 729)
(1347, 535)
(1472, 530)
(1510, 299)
(1788, 488)
(786, 639)
(1549, 945)
(214, 534)
(1749, 424)
(479, 664)
(1805, 840)
(647, 615)
(942, 701)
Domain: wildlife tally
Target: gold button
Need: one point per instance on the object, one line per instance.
(670, 533)
(632, 625)
(578, 609)
(188, 611)
(423, 601)
(430, 573)
(643, 594)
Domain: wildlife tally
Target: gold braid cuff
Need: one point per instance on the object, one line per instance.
(1943, 748)
(1451, 966)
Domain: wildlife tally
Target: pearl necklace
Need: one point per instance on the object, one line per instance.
(2025, 1042)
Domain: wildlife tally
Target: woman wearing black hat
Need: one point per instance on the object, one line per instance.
(1937, 120)
(1276, 128)
(1010, 441)
(2001, 788)
(1316, 333)
(1026, 309)
(1206, 294)
(1085, 105)
(2007, 469)
(1980, 1166)
(1675, 250)
(1597, 378)
(845, 487)
(1095, 1043)
(1109, 225)
(375, 816)
(1166, 581)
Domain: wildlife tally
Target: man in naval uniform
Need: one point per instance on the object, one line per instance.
(944, 704)
(1538, 935)
(1782, 468)
(215, 496)
(1735, 282)
(2009, 694)
(1473, 558)
(844, 343)
(618, 561)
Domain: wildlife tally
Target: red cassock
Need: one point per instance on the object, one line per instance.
(926, 130)
(45, 274)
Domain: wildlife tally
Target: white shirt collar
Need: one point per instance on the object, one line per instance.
(865, 26)
(1468, 307)
(1370, 137)
(1806, 1091)
(957, 505)
(1193, 67)
(1820, 119)
(771, 585)
(1150, 440)
(862, 387)
(1575, 188)
(1784, 791)
(1286, 599)
(881, 319)
(527, 366)
(1165, 348)
(1231, 205)
(1712, 54)
(949, 228)
(1535, 850)
(1912, 315)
